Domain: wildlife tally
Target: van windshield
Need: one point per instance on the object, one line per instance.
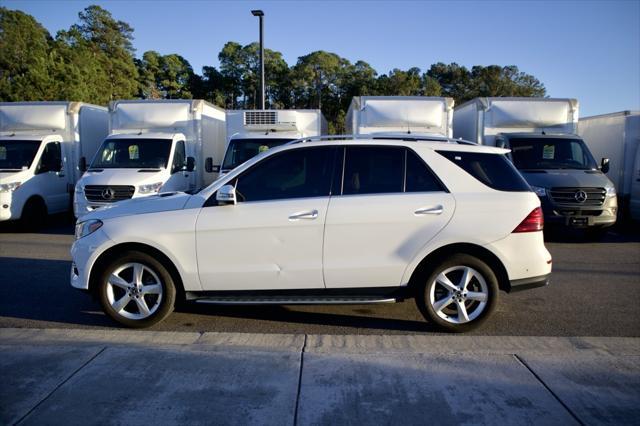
(16, 155)
(132, 154)
(551, 153)
(241, 150)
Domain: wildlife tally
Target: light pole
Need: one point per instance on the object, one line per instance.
(260, 14)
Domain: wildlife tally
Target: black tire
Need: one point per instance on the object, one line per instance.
(484, 282)
(163, 307)
(34, 215)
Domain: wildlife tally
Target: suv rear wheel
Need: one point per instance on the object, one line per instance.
(459, 294)
(136, 290)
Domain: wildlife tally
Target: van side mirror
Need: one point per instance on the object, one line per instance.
(604, 165)
(82, 164)
(226, 195)
(191, 164)
(209, 167)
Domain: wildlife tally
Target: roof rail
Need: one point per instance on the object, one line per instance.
(399, 136)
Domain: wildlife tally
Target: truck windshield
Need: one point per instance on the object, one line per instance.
(132, 154)
(16, 155)
(241, 150)
(551, 153)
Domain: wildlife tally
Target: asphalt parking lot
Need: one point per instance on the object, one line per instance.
(595, 291)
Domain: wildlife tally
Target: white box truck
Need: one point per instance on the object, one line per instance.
(153, 146)
(617, 137)
(40, 147)
(252, 131)
(417, 115)
(541, 134)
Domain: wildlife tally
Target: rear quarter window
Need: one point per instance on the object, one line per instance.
(493, 170)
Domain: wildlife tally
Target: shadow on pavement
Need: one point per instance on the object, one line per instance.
(58, 224)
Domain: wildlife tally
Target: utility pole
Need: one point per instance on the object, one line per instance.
(260, 14)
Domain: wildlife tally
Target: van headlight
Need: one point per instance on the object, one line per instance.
(611, 192)
(9, 187)
(540, 191)
(87, 228)
(148, 189)
(79, 189)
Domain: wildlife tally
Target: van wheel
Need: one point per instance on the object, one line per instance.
(34, 215)
(459, 294)
(136, 290)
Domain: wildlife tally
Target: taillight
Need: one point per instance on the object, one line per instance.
(532, 223)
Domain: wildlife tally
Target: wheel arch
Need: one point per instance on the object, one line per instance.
(440, 254)
(114, 251)
(35, 198)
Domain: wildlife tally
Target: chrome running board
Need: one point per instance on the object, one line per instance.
(293, 300)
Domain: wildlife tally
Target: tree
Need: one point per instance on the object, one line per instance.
(453, 79)
(110, 41)
(25, 61)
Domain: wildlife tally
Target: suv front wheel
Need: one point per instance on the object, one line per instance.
(136, 290)
(459, 294)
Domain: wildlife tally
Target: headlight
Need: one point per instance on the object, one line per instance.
(611, 192)
(79, 189)
(152, 187)
(88, 227)
(9, 187)
(540, 191)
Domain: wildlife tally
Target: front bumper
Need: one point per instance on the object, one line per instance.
(576, 216)
(84, 253)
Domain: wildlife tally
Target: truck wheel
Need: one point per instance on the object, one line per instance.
(459, 294)
(136, 290)
(34, 215)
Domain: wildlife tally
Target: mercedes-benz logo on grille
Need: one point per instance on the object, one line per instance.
(580, 196)
(108, 194)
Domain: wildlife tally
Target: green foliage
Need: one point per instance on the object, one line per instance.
(93, 61)
(24, 58)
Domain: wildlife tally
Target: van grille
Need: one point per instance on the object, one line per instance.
(576, 196)
(260, 117)
(108, 193)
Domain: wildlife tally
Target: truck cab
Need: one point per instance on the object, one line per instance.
(33, 176)
(130, 166)
(573, 188)
(252, 132)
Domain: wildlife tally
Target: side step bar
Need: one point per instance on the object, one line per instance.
(293, 300)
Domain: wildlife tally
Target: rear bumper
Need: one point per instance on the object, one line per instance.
(529, 283)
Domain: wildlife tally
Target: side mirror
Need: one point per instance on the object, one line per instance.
(191, 164)
(604, 165)
(226, 195)
(209, 167)
(82, 164)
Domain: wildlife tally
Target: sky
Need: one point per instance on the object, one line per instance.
(589, 49)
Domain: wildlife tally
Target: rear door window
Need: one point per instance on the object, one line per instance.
(493, 170)
(419, 177)
(373, 170)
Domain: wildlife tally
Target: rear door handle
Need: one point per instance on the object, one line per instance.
(429, 210)
(309, 215)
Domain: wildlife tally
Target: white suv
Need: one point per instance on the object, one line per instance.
(316, 222)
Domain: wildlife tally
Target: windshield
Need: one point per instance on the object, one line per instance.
(241, 150)
(551, 153)
(132, 154)
(16, 155)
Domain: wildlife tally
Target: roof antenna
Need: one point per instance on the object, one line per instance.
(543, 132)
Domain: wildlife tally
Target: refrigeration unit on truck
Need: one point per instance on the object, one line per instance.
(542, 136)
(617, 137)
(416, 115)
(251, 132)
(40, 146)
(153, 146)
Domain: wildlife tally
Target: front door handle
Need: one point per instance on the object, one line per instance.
(309, 215)
(429, 210)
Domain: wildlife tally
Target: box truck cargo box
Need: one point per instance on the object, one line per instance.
(152, 147)
(418, 115)
(252, 131)
(41, 144)
(617, 136)
(541, 134)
